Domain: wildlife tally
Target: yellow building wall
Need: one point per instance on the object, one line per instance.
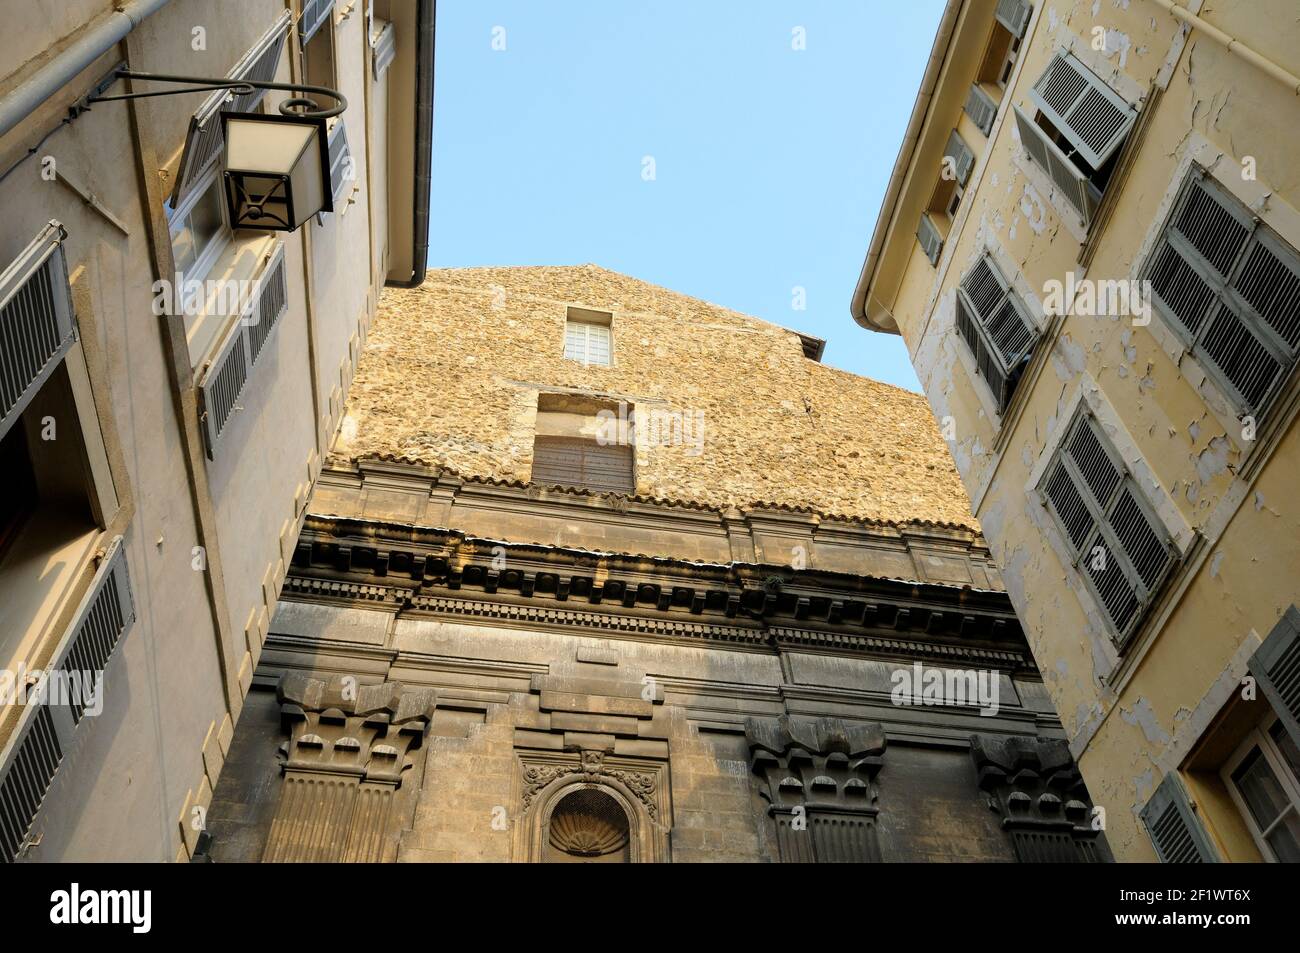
(1130, 719)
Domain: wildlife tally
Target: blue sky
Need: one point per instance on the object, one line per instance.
(769, 162)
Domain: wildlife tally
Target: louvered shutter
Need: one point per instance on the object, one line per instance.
(203, 142)
(1087, 112)
(384, 48)
(37, 324)
(1276, 667)
(1014, 15)
(1067, 177)
(339, 156)
(1231, 289)
(963, 160)
(1119, 546)
(225, 376)
(1174, 828)
(315, 14)
(981, 109)
(930, 239)
(566, 461)
(45, 728)
(992, 321)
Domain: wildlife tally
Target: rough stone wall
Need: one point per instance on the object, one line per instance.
(452, 370)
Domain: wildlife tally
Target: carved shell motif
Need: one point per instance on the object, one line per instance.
(588, 824)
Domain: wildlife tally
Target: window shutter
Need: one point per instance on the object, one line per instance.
(1175, 831)
(315, 14)
(384, 49)
(1087, 112)
(981, 109)
(1231, 290)
(339, 154)
(963, 159)
(223, 380)
(44, 732)
(1014, 15)
(37, 324)
(931, 241)
(1276, 667)
(204, 141)
(1074, 185)
(565, 461)
(992, 322)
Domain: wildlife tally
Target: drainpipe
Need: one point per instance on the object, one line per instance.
(1232, 45)
(96, 40)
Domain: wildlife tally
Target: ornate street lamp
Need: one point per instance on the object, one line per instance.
(276, 168)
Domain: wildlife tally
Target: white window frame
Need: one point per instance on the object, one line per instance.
(1259, 738)
(177, 218)
(587, 323)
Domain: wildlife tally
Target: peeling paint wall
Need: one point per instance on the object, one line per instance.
(1240, 568)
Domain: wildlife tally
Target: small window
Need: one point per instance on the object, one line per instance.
(994, 323)
(1117, 545)
(1077, 132)
(199, 231)
(1264, 780)
(588, 337)
(1230, 288)
(317, 25)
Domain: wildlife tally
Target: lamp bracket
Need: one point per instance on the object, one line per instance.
(300, 105)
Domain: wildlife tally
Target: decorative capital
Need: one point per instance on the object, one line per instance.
(816, 762)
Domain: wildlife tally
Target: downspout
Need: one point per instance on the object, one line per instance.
(425, 21)
(938, 53)
(1232, 45)
(93, 43)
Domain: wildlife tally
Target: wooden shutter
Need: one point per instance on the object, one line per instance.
(45, 728)
(1065, 175)
(1231, 289)
(981, 109)
(203, 142)
(1091, 115)
(1119, 546)
(339, 154)
(384, 47)
(963, 159)
(224, 377)
(992, 322)
(931, 240)
(1276, 667)
(37, 324)
(569, 461)
(1172, 823)
(315, 14)
(1014, 15)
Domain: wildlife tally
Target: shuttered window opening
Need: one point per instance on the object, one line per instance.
(1174, 828)
(315, 14)
(384, 46)
(1087, 112)
(963, 160)
(1014, 15)
(203, 142)
(1276, 667)
(981, 108)
(992, 321)
(340, 157)
(44, 732)
(587, 341)
(571, 461)
(1230, 287)
(1069, 180)
(1116, 542)
(36, 321)
(226, 375)
(931, 241)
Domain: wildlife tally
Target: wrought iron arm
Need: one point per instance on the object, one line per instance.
(294, 106)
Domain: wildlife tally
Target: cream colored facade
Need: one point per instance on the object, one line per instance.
(138, 541)
(1171, 708)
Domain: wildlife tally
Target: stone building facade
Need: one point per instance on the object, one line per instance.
(1091, 248)
(596, 572)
